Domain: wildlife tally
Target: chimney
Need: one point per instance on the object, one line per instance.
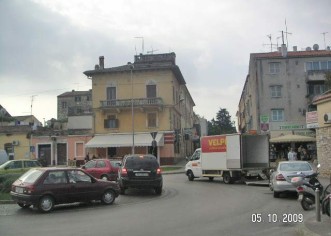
(295, 48)
(102, 62)
(284, 50)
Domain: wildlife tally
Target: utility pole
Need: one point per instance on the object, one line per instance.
(32, 121)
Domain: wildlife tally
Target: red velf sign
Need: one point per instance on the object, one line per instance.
(213, 144)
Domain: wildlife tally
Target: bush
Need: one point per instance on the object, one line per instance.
(6, 180)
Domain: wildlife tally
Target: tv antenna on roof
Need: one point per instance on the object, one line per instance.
(271, 44)
(324, 33)
(152, 51)
(142, 43)
(287, 33)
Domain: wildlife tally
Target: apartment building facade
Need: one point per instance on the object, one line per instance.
(279, 91)
(140, 103)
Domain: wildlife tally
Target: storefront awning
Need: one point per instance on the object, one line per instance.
(292, 138)
(124, 140)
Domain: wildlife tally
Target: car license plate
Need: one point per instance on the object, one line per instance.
(19, 190)
(300, 197)
(141, 174)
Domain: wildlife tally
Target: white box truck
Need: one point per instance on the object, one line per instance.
(230, 156)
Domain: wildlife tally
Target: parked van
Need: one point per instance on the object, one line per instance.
(3, 156)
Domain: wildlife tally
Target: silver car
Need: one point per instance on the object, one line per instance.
(280, 179)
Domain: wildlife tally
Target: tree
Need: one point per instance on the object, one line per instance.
(222, 124)
(327, 81)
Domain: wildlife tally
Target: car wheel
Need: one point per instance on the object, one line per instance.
(190, 175)
(276, 194)
(104, 177)
(24, 206)
(46, 204)
(108, 197)
(158, 190)
(227, 178)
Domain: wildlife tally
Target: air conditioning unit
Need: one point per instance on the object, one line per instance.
(327, 118)
(15, 143)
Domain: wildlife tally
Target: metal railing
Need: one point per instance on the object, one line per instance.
(127, 102)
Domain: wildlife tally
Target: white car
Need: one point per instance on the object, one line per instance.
(280, 179)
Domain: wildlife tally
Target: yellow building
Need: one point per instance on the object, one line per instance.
(134, 100)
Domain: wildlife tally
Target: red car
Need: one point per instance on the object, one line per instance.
(46, 187)
(103, 168)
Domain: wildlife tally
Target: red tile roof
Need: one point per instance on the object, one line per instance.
(312, 53)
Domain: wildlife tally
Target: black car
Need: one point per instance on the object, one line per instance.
(140, 171)
(46, 187)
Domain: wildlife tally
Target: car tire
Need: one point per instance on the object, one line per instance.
(46, 204)
(108, 197)
(158, 190)
(227, 178)
(24, 206)
(190, 175)
(276, 194)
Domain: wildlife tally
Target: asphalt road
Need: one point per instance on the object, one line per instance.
(184, 208)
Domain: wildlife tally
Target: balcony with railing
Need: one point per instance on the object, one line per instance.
(122, 104)
(316, 75)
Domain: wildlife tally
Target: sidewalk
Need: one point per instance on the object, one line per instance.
(181, 168)
(313, 227)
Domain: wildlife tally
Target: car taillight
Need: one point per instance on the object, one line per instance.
(280, 177)
(158, 171)
(29, 189)
(300, 189)
(124, 172)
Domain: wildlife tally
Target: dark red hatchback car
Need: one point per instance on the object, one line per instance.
(103, 168)
(46, 187)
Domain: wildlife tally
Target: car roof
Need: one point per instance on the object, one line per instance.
(56, 168)
(281, 162)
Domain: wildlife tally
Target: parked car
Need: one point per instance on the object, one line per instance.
(140, 171)
(46, 187)
(280, 179)
(103, 168)
(19, 165)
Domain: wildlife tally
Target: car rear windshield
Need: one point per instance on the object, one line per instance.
(31, 176)
(295, 167)
(141, 162)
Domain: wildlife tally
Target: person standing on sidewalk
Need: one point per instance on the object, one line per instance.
(292, 155)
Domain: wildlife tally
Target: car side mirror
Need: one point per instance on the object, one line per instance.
(83, 167)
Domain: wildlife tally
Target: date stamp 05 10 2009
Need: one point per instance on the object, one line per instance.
(276, 218)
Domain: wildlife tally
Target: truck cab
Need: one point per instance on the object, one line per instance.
(193, 167)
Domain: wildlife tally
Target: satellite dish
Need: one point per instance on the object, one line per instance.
(316, 47)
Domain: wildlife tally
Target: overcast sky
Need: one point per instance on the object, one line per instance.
(46, 45)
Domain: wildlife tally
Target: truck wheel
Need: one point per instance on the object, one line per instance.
(227, 178)
(190, 175)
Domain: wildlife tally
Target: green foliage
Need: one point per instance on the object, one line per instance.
(222, 124)
(327, 81)
(6, 180)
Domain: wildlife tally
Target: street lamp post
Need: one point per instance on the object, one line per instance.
(132, 110)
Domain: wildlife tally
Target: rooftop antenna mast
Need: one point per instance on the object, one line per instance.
(324, 33)
(142, 43)
(271, 45)
(287, 33)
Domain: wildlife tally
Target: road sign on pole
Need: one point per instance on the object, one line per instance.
(153, 135)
